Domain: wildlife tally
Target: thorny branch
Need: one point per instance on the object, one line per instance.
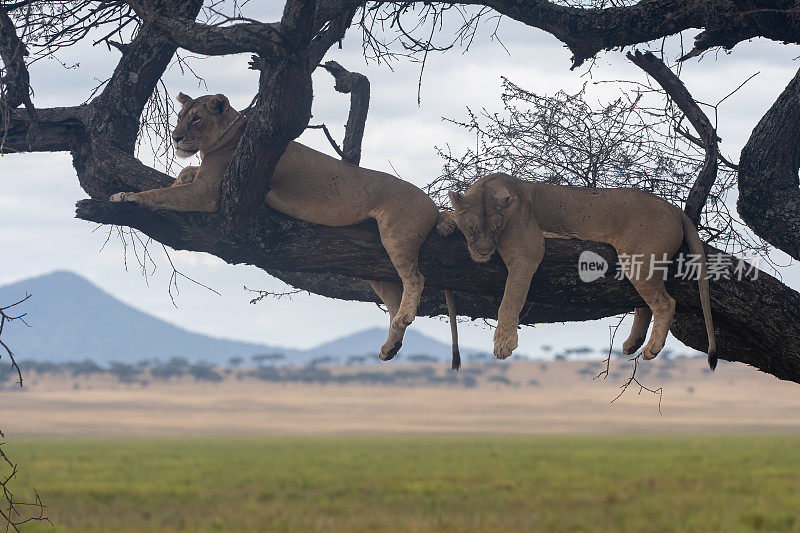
(632, 141)
(633, 380)
(6, 318)
(15, 513)
(271, 294)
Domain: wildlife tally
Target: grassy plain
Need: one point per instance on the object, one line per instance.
(417, 483)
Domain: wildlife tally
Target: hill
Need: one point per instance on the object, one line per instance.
(72, 319)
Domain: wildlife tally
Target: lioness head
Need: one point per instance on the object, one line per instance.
(481, 215)
(201, 121)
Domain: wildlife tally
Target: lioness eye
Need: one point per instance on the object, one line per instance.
(195, 118)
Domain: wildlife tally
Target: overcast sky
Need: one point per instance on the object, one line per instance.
(40, 234)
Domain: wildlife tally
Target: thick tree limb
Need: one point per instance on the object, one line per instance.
(275, 242)
(255, 37)
(116, 111)
(334, 21)
(59, 129)
(769, 196)
(776, 20)
(588, 31)
(677, 91)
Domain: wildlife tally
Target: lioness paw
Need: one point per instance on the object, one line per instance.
(505, 342)
(402, 321)
(651, 350)
(121, 197)
(187, 175)
(630, 346)
(446, 223)
(389, 350)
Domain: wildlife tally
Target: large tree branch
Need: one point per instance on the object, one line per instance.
(275, 242)
(117, 109)
(677, 91)
(255, 37)
(777, 20)
(589, 31)
(769, 196)
(59, 130)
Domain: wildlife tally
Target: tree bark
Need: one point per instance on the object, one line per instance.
(769, 191)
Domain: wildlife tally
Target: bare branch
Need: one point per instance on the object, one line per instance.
(357, 85)
(676, 90)
(15, 513)
(255, 37)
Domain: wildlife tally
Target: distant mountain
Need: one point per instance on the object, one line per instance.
(72, 319)
(368, 342)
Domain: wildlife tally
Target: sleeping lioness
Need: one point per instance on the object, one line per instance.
(310, 186)
(499, 212)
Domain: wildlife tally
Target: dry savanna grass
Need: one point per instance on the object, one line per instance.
(520, 397)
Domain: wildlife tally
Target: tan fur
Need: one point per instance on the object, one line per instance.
(511, 216)
(311, 186)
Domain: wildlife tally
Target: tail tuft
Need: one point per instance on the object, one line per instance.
(451, 312)
(712, 358)
(456, 360)
(446, 223)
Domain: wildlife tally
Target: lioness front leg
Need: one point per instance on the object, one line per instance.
(192, 196)
(521, 259)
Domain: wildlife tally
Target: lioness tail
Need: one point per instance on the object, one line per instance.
(695, 245)
(451, 311)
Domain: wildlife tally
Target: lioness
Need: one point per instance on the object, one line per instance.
(311, 186)
(499, 212)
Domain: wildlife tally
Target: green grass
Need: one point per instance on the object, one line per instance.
(417, 483)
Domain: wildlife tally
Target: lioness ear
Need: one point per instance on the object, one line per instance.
(184, 99)
(455, 198)
(219, 103)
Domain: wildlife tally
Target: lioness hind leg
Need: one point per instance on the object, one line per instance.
(662, 306)
(641, 322)
(402, 241)
(391, 294)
